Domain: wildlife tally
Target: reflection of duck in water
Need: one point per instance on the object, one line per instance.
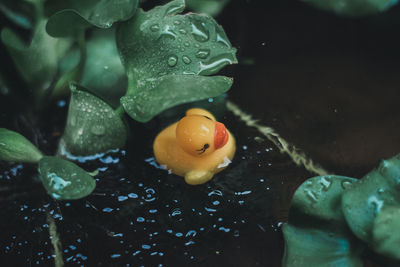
(195, 147)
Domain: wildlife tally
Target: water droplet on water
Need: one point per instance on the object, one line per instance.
(154, 27)
(186, 59)
(172, 60)
(98, 129)
(200, 34)
(203, 53)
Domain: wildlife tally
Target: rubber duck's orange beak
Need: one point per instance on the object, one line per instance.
(220, 135)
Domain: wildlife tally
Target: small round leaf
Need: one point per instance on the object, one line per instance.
(14, 147)
(64, 180)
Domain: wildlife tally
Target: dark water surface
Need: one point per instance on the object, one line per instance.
(328, 85)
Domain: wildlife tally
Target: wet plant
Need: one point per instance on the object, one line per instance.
(334, 220)
(116, 61)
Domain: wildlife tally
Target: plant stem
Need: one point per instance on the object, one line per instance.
(120, 111)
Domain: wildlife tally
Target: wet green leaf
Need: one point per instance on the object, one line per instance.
(188, 88)
(316, 247)
(210, 7)
(320, 198)
(72, 16)
(363, 200)
(104, 74)
(64, 180)
(92, 125)
(386, 232)
(353, 8)
(38, 61)
(317, 234)
(157, 45)
(14, 147)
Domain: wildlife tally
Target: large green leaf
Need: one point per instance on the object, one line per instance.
(317, 234)
(210, 7)
(157, 45)
(15, 147)
(363, 200)
(72, 16)
(37, 62)
(104, 74)
(353, 8)
(159, 96)
(64, 180)
(386, 232)
(92, 125)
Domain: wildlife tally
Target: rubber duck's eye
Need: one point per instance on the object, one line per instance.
(207, 118)
(203, 149)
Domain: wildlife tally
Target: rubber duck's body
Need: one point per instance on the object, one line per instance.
(196, 147)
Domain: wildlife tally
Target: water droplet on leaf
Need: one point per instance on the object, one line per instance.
(172, 60)
(203, 53)
(199, 33)
(346, 184)
(98, 129)
(154, 27)
(186, 59)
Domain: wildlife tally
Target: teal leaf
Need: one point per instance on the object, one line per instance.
(363, 200)
(317, 234)
(103, 74)
(92, 125)
(64, 180)
(210, 7)
(320, 198)
(386, 232)
(14, 147)
(187, 88)
(319, 247)
(38, 61)
(353, 8)
(159, 44)
(73, 16)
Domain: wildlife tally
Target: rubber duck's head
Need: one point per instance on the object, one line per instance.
(199, 134)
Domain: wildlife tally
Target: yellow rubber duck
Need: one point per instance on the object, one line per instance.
(196, 147)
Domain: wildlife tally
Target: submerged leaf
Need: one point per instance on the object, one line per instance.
(14, 147)
(64, 180)
(159, 44)
(210, 7)
(353, 8)
(386, 232)
(187, 88)
(92, 125)
(317, 234)
(72, 16)
(363, 200)
(37, 62)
